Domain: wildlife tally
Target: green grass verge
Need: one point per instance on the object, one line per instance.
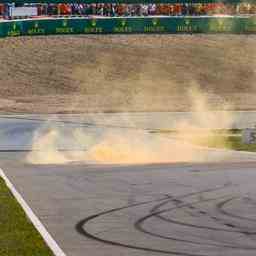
(219, 138)
(223, 141)
(199, 131)
(18, 237)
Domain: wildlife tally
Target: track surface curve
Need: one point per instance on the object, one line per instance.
(186, 209)
(173, 209)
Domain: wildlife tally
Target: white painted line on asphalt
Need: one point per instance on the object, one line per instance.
(34, 219)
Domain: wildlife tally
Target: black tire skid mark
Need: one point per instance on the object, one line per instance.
(178, 199)
(80, 227)
(190, 206)
(139, 226)
(81, 230)
(220, 207)
(157, 214)
(178, 202)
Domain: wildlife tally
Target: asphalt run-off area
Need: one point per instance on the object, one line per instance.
(186, 208)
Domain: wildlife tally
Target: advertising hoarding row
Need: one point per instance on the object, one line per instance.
(185, 25)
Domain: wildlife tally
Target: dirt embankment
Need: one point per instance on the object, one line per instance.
(64, 74)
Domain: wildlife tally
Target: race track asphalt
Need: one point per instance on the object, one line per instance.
(188, 209)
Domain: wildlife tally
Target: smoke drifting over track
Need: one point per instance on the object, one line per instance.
(78, 74)
(130, 146)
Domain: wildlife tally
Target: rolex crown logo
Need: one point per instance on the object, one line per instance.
(123, 23)
(64, 23)
(94, 23)
(187, 22)
(36, 25)
(155, 22)
(220, 22)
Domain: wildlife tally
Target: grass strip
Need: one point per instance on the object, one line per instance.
(223, 141)
(18, 236)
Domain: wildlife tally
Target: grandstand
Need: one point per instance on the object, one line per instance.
(136, 9)
(90, 65)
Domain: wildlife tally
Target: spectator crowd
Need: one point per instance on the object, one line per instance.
(113, 10)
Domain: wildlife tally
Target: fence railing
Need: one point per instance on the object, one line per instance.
(125, 1)
(117, 25)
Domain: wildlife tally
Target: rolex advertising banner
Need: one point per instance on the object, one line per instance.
(183, 25)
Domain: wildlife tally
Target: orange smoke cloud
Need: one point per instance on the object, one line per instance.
(125, 146)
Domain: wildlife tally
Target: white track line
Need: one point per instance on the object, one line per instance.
(34, 219)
